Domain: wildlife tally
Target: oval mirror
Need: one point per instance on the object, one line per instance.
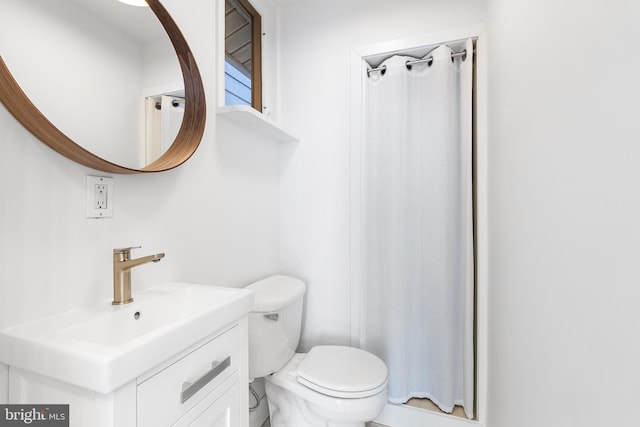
(101, 82)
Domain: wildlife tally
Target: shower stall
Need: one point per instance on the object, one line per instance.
(412, 256)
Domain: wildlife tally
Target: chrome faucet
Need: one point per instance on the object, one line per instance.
(122, 265)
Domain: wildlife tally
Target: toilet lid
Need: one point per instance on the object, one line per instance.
(341, 371)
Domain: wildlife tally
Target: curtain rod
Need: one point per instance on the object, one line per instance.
(428, 59)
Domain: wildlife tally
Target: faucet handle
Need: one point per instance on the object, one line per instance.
(125, 250)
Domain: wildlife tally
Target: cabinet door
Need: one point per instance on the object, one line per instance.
(212, 412)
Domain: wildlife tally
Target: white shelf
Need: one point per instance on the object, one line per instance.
(250, 118)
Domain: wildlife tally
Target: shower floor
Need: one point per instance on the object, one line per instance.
(427, 404)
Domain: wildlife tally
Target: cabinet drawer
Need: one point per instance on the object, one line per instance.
(172, 392)
(218, 409)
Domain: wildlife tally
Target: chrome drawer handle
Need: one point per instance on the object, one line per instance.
(189, 389)
(272, 316)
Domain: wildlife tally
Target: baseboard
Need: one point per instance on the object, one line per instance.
(407, 416)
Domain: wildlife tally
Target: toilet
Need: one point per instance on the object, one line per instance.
(330, 386)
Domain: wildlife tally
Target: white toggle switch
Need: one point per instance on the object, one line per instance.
(99, 197)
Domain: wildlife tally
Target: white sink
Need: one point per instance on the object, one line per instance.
(102, 347)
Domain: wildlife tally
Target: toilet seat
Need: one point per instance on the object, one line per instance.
(292, 403)
(343, 372)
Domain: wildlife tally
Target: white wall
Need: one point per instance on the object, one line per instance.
(316, 39)
(564, 207)
(216, 217)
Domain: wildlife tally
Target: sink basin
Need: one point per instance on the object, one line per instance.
(102, 347)
(119, 326)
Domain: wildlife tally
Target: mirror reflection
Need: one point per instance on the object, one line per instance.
(100, 71)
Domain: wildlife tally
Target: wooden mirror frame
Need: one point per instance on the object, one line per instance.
(185, 143)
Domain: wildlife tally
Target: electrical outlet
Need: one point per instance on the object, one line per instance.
(99, 197)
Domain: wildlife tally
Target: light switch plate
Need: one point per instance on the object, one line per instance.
(99, 197)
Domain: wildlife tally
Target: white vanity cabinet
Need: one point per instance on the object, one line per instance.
(204, 385)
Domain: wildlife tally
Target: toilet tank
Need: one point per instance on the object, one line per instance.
(274, 323)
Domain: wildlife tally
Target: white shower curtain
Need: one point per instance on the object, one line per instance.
(417, 227)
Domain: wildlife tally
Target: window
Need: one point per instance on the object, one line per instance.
(243, 54)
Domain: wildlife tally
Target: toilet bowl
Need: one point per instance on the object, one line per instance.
(331, 386)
